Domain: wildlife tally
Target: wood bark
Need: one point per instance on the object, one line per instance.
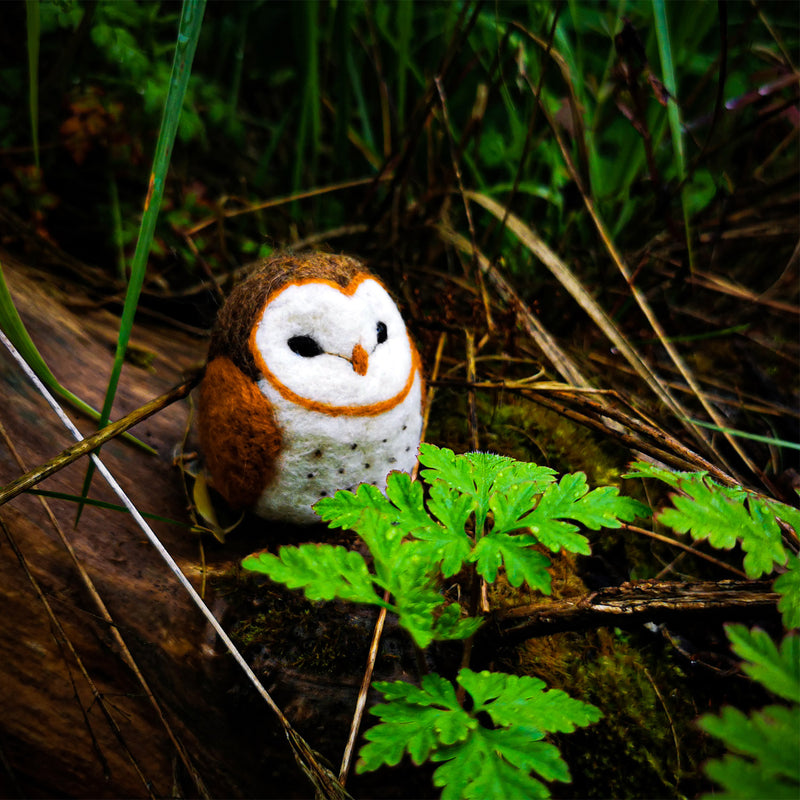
(638, 603)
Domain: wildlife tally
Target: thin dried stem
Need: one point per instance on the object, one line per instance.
(64, 642)
(282, 201)
(90, 443)
(113, 628)
(431, 383)
(529, 322)
(687, 548)
(457, 170)
(471, 404)
(362, 694)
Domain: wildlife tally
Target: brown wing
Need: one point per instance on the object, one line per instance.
(238, 433)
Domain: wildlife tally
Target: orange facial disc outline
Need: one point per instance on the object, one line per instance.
(371, 410)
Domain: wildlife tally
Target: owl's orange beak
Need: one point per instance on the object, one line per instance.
(360, 360)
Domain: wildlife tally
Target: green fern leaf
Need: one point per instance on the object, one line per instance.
(471, 474)
(604, 508)
(559, 502)
(768, 761)
(445, 547)
(321, 570)
(442, 464)
(417, 720)
(450, 507)
(768, 736)
(523, 700)
(643, 469)
(400, 733)
(778, 670)
(383, 539)
(707, 511)
(409, 507)
(473, 770)
(765, 761)
(745, 780)
(520, 473)
(788, 586)
(418, 604)
(522, 562)
(511, 507)
(345, 509)
(788, 514)
(725, 516)
(448, 543)
(478, 762)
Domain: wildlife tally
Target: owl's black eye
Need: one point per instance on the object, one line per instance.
(382, 332)
(305, 346)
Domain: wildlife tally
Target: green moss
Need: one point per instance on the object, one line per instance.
(516, 427)
(647, 743)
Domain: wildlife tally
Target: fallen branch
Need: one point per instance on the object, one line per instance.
(90, 443)
(636, 602)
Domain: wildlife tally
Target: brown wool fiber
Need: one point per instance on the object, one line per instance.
(231, 409)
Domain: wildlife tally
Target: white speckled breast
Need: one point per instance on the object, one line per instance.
(322, 453)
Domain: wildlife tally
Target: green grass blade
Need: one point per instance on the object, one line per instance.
(189, 32)
(90, 501)
(116, 227)
(188, 35)
(13, 327)
(673, 110)
(34, 32)
(756, 437)
(668, 77)
(405, 21)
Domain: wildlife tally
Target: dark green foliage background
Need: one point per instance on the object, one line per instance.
(277, 89)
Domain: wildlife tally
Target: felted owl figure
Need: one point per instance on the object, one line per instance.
(312, 385)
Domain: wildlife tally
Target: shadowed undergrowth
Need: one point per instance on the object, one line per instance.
(587, 211)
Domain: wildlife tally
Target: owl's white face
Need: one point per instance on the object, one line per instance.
(335, 348)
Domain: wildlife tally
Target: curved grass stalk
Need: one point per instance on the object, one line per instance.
(606, 324)
(188, 36)
(580, 294)
(284, 200)
(12, 325)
